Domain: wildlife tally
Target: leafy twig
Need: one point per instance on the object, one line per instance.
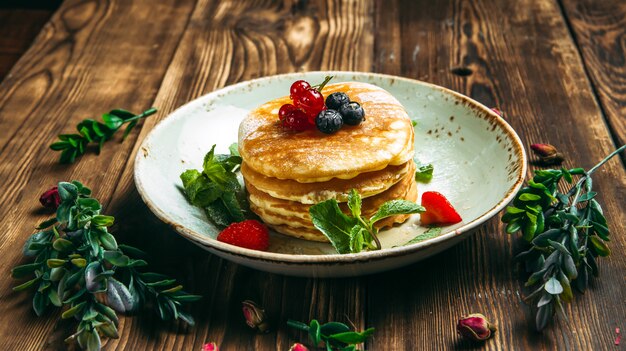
(92, 131)
(79, 265)
(335, 335)
(567, 232)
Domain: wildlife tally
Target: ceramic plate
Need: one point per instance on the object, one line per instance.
(478, 159)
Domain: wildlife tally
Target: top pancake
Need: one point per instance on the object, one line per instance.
(384, 138)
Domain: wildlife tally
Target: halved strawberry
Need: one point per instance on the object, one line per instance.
(250, 234)
(438, 209)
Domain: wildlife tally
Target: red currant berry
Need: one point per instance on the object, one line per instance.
(311, 101)
(297, 88)
(296, 120)
(284, 110)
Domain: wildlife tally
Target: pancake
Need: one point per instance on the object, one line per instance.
(302, 229)
(384, 139)
(292, 218)
(367, 184)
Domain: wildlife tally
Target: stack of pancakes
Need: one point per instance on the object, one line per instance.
(286, 172)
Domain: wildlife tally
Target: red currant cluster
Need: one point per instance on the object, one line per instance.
(308, 102)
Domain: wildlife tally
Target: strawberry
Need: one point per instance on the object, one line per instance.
(438, 209)
(250, 234)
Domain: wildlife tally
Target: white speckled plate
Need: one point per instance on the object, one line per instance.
(479, 165)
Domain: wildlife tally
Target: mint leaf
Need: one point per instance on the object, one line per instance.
(354, 203)
(218, 214)
(424, 172)
(357, 238)
(216, 188)
(231, 204)
(396, 207)
(234, 149)
(215, 170)
(429, 234)
(334, 224)
(200, 190)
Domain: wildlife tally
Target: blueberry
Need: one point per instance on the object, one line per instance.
(335, 100)
(328, 121)
(352, 113)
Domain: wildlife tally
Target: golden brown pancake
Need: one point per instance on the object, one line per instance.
(292, 218)
(301, 229)
(385, 138)
(367, 184)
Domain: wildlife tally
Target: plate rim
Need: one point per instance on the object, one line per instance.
(274, 257)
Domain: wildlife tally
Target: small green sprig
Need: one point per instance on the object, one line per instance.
(79, 266)
(216, 188)
(352, 234)
(566, 232)
(92, 131)
(423, 171)
(336, 336)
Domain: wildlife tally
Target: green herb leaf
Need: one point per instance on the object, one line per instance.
(234, 149)
(396, 207)
(354, 203)
(216, 188)
(334, 224)
(424, 172)
(428, 234)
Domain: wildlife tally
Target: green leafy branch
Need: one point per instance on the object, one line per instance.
(351, 234)
(567, 232)
(79, 266)
(335, 335)
(92, 131)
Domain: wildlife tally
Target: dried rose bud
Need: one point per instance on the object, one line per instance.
(497, 111)
(210, 346)
(475, 327)
(50, 199)
(298, 347)
(548, 154)
(255, 316)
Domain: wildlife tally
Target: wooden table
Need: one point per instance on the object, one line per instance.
(556, 68)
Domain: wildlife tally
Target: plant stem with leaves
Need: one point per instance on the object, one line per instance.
(567, 232)
(92, 131)
(78, 265)
(335, 335)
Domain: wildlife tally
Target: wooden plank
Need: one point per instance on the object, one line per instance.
(91, 57)
(516, 55)
(599, 28)
(228, 42)
(18, 28)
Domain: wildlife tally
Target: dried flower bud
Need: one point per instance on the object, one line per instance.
(210, 346)
(298, 347)
(497, 111)
(475, 327)
(50, 199)
(255, 316)
(548, 154)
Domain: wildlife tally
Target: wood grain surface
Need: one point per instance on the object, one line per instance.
(599, 29)
(527, 57)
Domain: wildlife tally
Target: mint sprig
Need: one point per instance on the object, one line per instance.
(216, 188)
(335, 335)
(92, 131)
(423, 172)
(567, 232)
(77, 262)
(352, 234)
